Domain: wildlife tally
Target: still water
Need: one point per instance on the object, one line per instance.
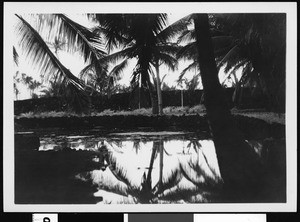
(145, 167)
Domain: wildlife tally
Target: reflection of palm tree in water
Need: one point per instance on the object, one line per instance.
(168, 183)
(146, 194)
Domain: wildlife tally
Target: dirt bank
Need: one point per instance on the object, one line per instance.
(252, 127)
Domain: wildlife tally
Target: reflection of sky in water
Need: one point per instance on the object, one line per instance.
(191, 162)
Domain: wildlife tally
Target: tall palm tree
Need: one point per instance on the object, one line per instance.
(240, 170)
(145, 37)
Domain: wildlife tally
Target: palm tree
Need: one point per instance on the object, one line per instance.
(259, 48)
(103, 81)
(235, 156)
(240, 170)
(192, 84)
(33, 86)
(145, 38)
(16, 81)
(221, 44)
(26, 80)
(57, 45)
(53, 90)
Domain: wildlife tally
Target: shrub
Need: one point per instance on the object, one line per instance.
(197, 109)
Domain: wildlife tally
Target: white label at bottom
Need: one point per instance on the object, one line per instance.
(44, 218)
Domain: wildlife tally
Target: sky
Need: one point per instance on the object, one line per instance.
(75, 62)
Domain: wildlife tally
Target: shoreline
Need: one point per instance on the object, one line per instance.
(250, 126)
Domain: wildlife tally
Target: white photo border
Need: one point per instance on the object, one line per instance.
(290, 8)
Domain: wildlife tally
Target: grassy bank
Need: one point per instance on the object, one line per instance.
(269, 117)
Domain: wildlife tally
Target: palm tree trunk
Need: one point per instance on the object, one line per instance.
(153, 97)
(239, 167)
(140, 87)
(158, 88)
(181, 98)
(161, 162)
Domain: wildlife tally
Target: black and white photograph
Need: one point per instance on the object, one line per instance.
(150, 107)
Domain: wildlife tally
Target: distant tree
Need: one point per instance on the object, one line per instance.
(102, 82)
(27, 80)
(53, 90)
(57, 45)
(166, 87)
(17, 80)
(33, 86)
(192, 84)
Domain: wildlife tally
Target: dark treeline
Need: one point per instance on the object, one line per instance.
(130, 101)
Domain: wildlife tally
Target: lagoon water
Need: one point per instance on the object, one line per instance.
(96, 166)
(140, 167)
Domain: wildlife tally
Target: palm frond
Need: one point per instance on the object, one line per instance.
(15, 56)
(113, 40)
(187, 36)
(41, 56)
(89, 68)
(221, 52)
(114, 27)
(118, 69)
(169, 48)
(188, 52)
(233, 51)
(115, 57)
(191, 66)
(162, 80)
(167, 60)
(233, 62)
(76, 36)
(35, 48)
(157, 22)
(174, 29)
(238, 65)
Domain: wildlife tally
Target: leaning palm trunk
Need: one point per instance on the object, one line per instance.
(239, 167)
